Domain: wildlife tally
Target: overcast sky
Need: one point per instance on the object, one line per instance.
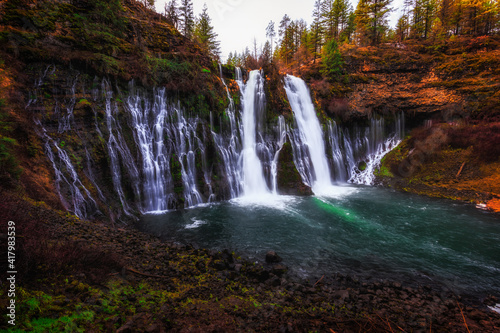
(237, 22)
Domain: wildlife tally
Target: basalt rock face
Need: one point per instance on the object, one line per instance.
(288, 178)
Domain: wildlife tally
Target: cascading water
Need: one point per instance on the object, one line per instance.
(161, 131)
(249, 156)
(148, 124)
(309, 147)
(229, 145)
(355, 153)
(67, 182)
(118, 150)
(370, 150)
(254, 183)
(281, 142)
(157, 156)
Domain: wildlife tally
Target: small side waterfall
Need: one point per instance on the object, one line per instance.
(281, 142)
(68, 184)
(228, 143)
(367, 146)
(119, 151)
(308, 142)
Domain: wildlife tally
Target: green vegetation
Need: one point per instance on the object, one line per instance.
(332, 61)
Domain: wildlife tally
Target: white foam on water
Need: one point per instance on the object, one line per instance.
(196, 223)
(269, 200)
(495, 308)
(336, 192)
(156, 212)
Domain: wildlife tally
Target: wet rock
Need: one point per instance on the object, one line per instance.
(279, 269)
(272, 257)
(341, 294)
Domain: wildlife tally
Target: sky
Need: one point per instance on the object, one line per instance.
(238, 22)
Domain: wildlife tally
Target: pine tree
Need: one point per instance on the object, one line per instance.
(205, 35)
(423, 16)
(230, 59)
(266, 55)
(332, 62)
(172, 13)
(316, 30)
(271, 33)
(371, 20)
(349, 26)
(402, 28)
(286, 47)
(186, 18)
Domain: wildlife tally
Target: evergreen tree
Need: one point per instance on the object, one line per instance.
(267, 54)
(230, 59)
(172, 13)
(332, 62)
(186, 18)
(350, 25)
(285, 22)
(445, 11)
(205, 35)
(271, 33)
(340, 14)
(285, 32)
(402, 28)
(316, 37)
(423, 16)
(328, 21)
(371, 20)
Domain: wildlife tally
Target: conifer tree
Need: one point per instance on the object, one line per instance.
(186, 18)
(371, 20)
(172, 13)
(267, 54)
(332, 62)
(205, 35)
(316, 30)
(271, 33)
(423, 16)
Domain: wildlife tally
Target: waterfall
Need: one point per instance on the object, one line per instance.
(161, 158)
(281, 141)
(147, 122)
(67, 182)
(355, 152)
(375, 146)
(185, 144)
(254, 183)
(229, 144)
(307, 137)
(119, 151)
(163, 132)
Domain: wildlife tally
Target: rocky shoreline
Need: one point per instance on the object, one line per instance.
(171, 287)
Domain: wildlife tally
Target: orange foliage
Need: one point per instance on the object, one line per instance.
(494, 205)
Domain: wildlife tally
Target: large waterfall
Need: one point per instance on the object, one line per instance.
(159, 157)
(254, 183)
(350, 155)
(308, 142)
